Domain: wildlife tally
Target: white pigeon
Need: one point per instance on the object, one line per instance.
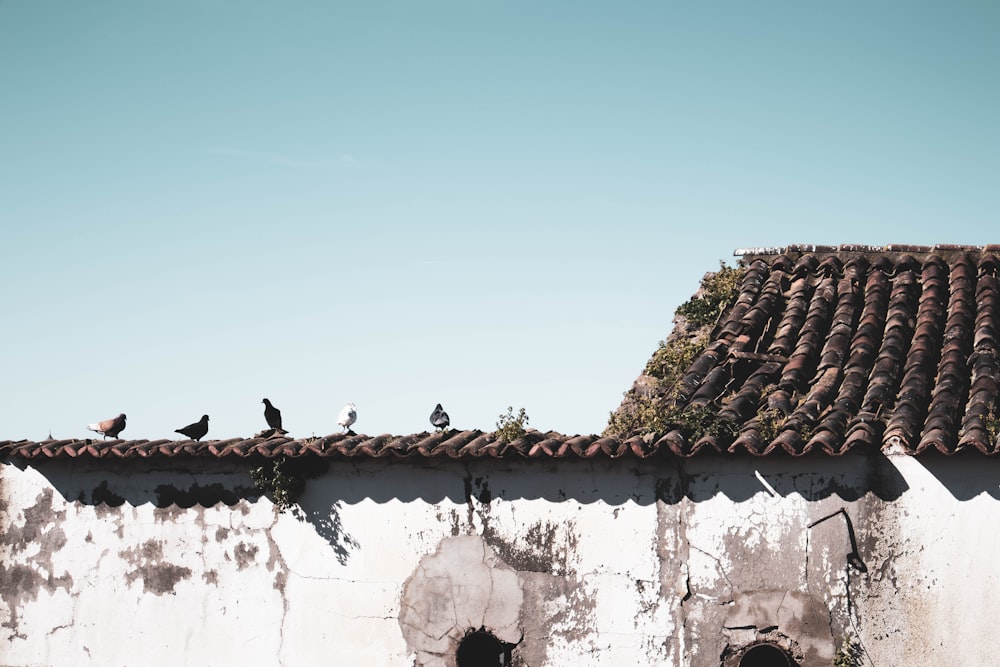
(347, 417)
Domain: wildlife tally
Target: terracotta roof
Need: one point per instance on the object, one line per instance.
(828, 348)
(446, 444)
(823, 349)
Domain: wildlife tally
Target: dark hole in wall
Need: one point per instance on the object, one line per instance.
(480, 648)
(766, 655)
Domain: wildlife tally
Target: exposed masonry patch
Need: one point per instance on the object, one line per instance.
(461, 586)
(157, 576)
(557, 603)
(35, 541)
(541, 547)
(244, 554)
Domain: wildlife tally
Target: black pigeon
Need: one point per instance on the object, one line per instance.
(439, 418)
(109, 428)
(195, 431)
(272, 415)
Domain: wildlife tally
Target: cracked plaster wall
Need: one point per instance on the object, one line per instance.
(581, 563)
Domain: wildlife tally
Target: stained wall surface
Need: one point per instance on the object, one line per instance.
(674, 563)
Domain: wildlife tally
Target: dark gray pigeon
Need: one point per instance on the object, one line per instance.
(109, 428)
(197, 430)
(272, 415)
(439, 418)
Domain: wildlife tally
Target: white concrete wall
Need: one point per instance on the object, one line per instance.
(581, 563)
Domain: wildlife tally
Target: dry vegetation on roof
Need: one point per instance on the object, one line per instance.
(649, 405)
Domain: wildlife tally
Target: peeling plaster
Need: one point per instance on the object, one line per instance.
(158, 576)
(34, 542)
(663, 563)
(463, 585)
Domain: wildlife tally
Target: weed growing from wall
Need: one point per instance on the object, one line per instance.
(849, 654)
(281, 480)
(510, 427)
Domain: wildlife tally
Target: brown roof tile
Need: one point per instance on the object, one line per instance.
(438, 445)
(823, 349)
(831, 348)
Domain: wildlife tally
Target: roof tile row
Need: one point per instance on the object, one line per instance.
(823, 350)
(876, 349)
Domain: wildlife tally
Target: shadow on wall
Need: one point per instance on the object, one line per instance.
(324, 517)
(965, 475)
(849, 477)
(208, 482)
(174, 485)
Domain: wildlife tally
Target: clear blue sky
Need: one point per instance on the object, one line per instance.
(481, 203)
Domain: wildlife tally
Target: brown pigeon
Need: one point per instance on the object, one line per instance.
(195, 431)
(109, 428)
(272, 415)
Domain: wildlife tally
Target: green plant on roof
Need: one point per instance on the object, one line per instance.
(992, 424)
(648, 415)
(652, 410)
(510, 427)
(718, 290)
(641, 414)
(769, 424)
(699, 421)
(672, 358)
(281, 480)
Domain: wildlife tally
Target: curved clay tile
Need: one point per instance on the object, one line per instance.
(747, 399)
(802, 361)
(750, 288)
(989, 264)
(796, 307)
(985, 380)
(704, 445)
(907, 263)
(883, 264)
(755, 320)
(951, 388)
(805, 265)
(711, 357)
(782, 263)
(895, 344)
(858, 366)
(863, 431)
(830, 266)
(922, 359)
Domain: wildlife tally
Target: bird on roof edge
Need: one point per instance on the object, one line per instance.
(348, 415)
(272, 415)
(109, 428)
(439, 418)
(195, 431)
